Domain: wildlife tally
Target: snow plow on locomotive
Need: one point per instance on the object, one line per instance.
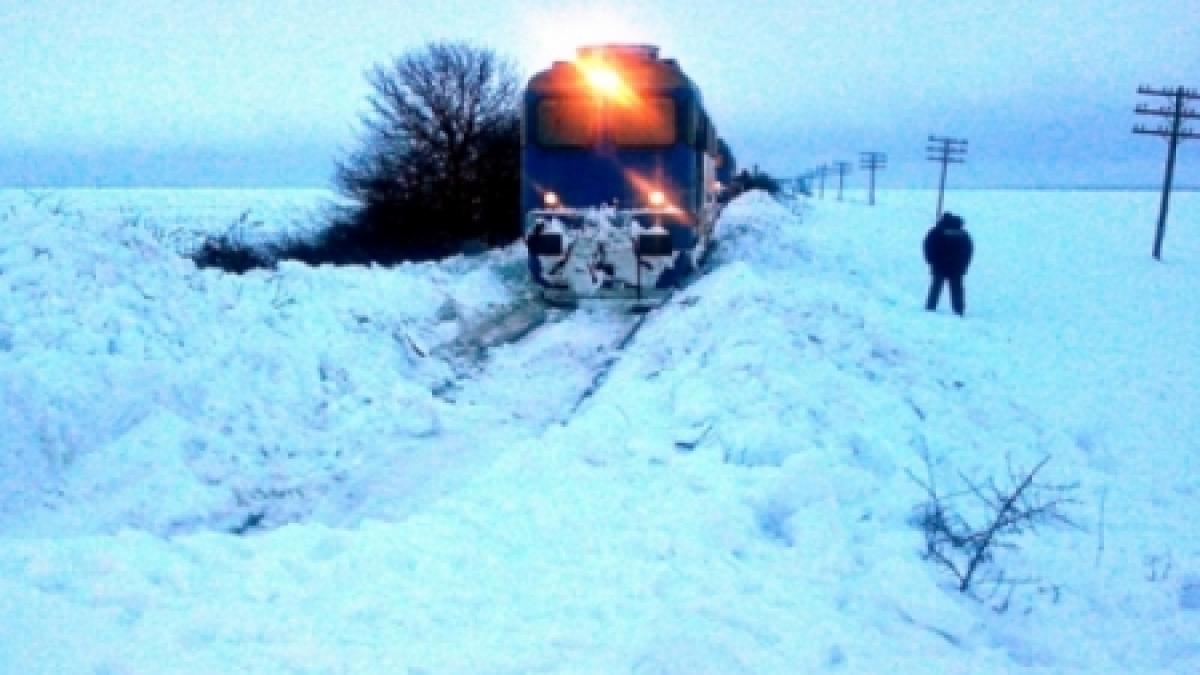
(620, 168)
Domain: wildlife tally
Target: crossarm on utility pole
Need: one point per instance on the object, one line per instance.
(1173, 132)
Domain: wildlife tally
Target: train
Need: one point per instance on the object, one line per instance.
(622, 175)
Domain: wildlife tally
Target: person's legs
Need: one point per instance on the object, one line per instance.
(958, 298)
(935, 292)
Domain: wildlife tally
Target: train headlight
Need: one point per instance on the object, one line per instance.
(657, 198)
(603, 79)
(550, 199)
(606, 81)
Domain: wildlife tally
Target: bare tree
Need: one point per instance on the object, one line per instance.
(440, 161)
(967, 546)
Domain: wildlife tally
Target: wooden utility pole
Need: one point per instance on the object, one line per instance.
(1173, 133)
(806, 181)
(842, 168)
(872, 161)
(947, 151)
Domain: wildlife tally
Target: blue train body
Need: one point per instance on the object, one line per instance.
(620, 165)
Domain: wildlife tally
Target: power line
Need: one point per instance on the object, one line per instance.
(1174, 133)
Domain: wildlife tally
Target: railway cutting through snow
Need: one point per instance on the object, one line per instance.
(559, 356)
(293, 395)
(606, 326)
(530, 340)
(326, 395)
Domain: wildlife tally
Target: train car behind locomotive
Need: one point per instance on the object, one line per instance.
(619, 167)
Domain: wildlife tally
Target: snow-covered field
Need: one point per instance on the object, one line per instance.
(183, 217)
(345, 471)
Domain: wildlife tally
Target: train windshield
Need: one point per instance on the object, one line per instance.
(648, 123)
(573, 122)
(566, 122)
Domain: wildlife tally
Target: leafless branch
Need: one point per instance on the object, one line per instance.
(964, 548)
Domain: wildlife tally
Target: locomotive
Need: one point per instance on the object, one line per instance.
(622, 173)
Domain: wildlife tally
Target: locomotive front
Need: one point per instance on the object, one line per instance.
(619, 189)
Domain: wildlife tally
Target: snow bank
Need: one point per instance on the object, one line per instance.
(760, 231)
(733, 497)
(128, 372)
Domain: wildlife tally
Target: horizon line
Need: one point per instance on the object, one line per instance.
(1097, 187)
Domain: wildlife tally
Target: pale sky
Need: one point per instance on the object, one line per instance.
(225, 92)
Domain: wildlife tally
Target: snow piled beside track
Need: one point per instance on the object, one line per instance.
(732, 499)
(139, 391)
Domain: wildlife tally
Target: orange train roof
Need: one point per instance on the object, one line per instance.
(638, 65)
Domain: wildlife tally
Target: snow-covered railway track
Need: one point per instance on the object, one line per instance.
(567, 351)
(510, 327)
(559, 357)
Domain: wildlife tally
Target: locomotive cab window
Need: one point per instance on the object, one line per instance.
(650, 123)
(566, 122)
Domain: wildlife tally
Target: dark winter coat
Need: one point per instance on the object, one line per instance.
(948, 247)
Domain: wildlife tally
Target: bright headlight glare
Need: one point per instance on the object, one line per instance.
(604, 79)
(657, 198)
(550, 198)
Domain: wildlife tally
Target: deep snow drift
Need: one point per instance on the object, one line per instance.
(732, 496)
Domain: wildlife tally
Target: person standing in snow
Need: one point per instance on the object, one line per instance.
(948, 250)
